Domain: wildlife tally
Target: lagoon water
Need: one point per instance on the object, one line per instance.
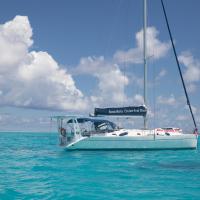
(33, 166)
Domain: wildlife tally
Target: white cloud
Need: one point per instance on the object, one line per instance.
(191, 87)
(155, 48)
(111, 81)
(138, 99)
(139, 81)
(192, 72)
(35, 79)
(15, 39)
(194, 109)
(30, 78)
(182, 118)
(167, 100)
(161, 74)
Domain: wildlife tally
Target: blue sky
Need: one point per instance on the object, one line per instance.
(69, 56)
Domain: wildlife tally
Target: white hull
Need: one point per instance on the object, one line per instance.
(148, 142)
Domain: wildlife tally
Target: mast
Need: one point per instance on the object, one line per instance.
(145, 59)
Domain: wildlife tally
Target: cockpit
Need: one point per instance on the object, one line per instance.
(90, 126)
(71, 128)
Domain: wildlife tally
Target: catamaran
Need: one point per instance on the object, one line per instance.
(93, 133)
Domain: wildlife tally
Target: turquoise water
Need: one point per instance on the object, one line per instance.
(33, 166)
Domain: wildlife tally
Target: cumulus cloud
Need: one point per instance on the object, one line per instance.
(139, 81)
(161, 74)
(167, 100)
(182, 118)
(34, 79)
(111, 80)
(155, 48)
(15, 39)
(138, 99)
(192, 72)
(194, 109)
(30, 78)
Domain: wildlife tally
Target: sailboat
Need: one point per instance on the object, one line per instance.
(93, 133)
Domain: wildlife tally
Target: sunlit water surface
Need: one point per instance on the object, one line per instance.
(33, 166)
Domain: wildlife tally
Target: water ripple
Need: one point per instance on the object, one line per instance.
(34, 167)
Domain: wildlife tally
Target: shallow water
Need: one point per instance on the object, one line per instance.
(33, 166)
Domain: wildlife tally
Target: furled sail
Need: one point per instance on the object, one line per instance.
(122, 111)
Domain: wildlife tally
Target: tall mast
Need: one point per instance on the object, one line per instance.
(145, 59)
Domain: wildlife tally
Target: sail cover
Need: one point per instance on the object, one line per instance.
(122, 111)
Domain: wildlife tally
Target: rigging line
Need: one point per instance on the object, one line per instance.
(124, 83)
(179, 68)
(123, 76)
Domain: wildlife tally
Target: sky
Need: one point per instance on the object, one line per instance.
(68, 57)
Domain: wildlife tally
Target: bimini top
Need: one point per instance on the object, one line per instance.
(89, 124)
(122, 111)
(81, 120)
(66, 116)
(96, 122)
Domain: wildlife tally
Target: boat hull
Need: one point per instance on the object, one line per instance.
(150, 142)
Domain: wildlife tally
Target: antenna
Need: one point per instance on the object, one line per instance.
(145, 59)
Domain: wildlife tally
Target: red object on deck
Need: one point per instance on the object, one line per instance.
(195, 131)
